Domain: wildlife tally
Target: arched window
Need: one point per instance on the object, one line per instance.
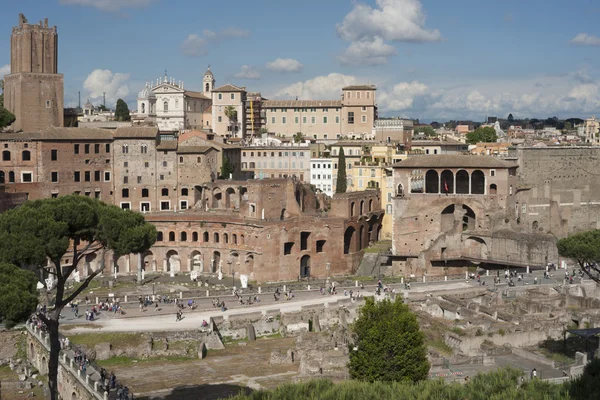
(159, 237)
(11, 177)
(535, 226)
(226, 238)
(2, 178)
(234, 238)
(371, 205)
(125, 149)
(216, 237)
(241, 239)
(352, 209)
(493, 189)
(400, 190)
(166, 106)
(477, 182)
(144, 149)
(362, 207)
(165, 191)
(143, 108)
(206, 87)
(145, 193)
(462, 182)
(6, 155)
(183, 237)
(432, 182)
(194, 236)
(171, 236)
(26, 155)
(447, 181)
(205, 237)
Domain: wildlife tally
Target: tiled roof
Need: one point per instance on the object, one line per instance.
(133, 132)
(453, 161)
(55, 133)
(167, 145)
(229, 88)
(196, 95)
(193, 149)
(360, 87)
(301, 103)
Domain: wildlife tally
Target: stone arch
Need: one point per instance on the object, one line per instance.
(216, 237)
(205, 237)
(74, 396)
(215, 262)
(493, 189)
(362, 208)
(243, 193)
(477, 182)
(242, 239)
(282, 215)
(305, 266)
(217, 197)
(462, 182)
(196, 261)
(234, 238)
(173, 261)
(352, 209)
(349, 240)
(475, 247)
(370, 205)
(447, 181)
(44, 366)
(469, 218)
(171, 236)
(231, 201)
(226, 238)
(432, 182)
(250, 265)
(400, 190)
(148, 261)
(447, 218)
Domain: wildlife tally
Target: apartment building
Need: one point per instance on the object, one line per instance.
(321, 175)
(278, 161)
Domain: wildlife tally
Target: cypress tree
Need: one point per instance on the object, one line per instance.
(340, 186)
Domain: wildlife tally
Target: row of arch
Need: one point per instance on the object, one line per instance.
(358, 239)
(198, 261)
(25, 155)
(206, 237)
(361, 207)
(225, 198)
(450, 183)
(11, 177)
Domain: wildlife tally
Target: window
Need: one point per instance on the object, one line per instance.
(320, 246)
(287, 248)
(313, 119)
(159, 237)
(372, 173)
(358, 95)
(283, 120)
(303, 120)
(166, 106)
(324, 120)
(97, 148)
(220, 119)
(139, 179)
(296, 120)
(165, 205)
(272, 120)
(145, 206)
(26, 177)
(180, 159)
(76, 149)
(77, 176)
(198, 159)
(349, 95)
(165, 192)
(183, 237)
(146, 164)
(144, 149)
(183, 205)
(350, 117)
(337, 119)
(171, 236)
(126, 164)
(220, 96)
(126, 206)
(107, 147)
(205, 237)
(125, 180)
(492, 172)
(164, 163)
(106, 176)
(194, 236)
(53, 155)
(145, 193)
(363, 118)
(388, 209)
(97, 176)
(125, 193)
(87, 176)
(54, 177)
(125, 149)
(232, 96)
(524, 208)
(304, 240)
(184, 191)
(86, 148)
(48, 103)
(11, 177)
(216, 237)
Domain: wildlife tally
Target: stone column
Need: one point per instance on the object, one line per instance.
(165, 262)
(139, 269)
(86, 269)
(454, 186)
(127, 266)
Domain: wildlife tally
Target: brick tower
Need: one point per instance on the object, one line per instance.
(33, 91)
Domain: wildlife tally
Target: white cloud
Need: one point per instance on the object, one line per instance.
(196, 45)
(401, 96)
(247, 72)
(321, 87)
(109, 5)
(583, 39)
(367, 51)
(101, 81)
(285, 65)
(4, 70)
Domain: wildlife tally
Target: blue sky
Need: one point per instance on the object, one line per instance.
(430, 59)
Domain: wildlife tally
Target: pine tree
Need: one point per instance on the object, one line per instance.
(122, 111)
(340, 186)
(226, 168)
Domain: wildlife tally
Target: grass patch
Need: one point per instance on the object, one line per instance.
(71, 327)
(121, 361)
(275, 335)
(458, 331)
(22, 346)
(441, 347)
(115, 339)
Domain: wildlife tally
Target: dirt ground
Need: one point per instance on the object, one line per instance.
(221, 374)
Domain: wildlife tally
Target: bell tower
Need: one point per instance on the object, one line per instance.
(208, 83)
(34, 90)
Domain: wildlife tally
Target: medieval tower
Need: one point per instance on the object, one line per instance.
(33, 91)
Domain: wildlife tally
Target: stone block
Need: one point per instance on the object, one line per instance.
(102, 351)
(250, 332)
(202, 351)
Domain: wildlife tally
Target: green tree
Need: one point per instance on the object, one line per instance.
(2, 94)
(483, 134)
(567, 127)
(390, 345)
(18, 294)
(6, 117)
(70, 226)
(298, 137)
(231, 114)
(340, 185)
(583, 247)
(122, 111)
(510, 118)
(426, 130)
(226, 169)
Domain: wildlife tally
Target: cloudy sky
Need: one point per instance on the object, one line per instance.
(430, 59)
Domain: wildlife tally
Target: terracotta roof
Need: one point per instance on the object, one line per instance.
(167, 145)
(453, 161)
(136, 132)
(197, 95)
(193, 149)
(301, 103)
(360, 87)
(55, 133)
(229, 88)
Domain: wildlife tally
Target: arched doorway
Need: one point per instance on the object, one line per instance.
(349, 246)
(44, 366)
(282, 215)
(432, 182)
(477, 182)
(305, 266)
(362, 207)
(352, 209)
(148, 263)
(476, 248)
(173, 261)
(493, 189)
(74, 396)
(217, 198)
(447, 182)
(469, 218)
(462, 182)
(231, 200)
(250, 265)
(196, 261)
(447, 218)
(216, 262)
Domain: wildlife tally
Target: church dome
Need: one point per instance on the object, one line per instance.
(209, 73)
(146, 93)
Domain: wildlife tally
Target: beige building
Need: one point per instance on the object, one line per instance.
(315, 119)
(229, 96)
(591, 129)
(292, 160)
